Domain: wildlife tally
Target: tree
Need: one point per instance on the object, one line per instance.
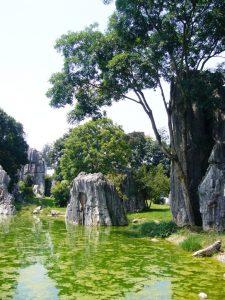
(13, 147)
(153, 182)
(46, 154)
(145, 150)
(148, 42)
(96, 146)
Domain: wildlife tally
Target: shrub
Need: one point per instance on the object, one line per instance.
(152, 229)
(60, 191)
(191, 243)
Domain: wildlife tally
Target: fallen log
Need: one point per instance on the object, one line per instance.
(209, 251)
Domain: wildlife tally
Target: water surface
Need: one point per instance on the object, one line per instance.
(45, 259)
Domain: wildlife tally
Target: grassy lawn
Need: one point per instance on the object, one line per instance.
(47, 204)
(156, 213)
(187, 238)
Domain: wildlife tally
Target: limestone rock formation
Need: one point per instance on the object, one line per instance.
(135, 199)
(193, 142)
(212, 191)
(35, 170)
(94, 201)
(6, 199)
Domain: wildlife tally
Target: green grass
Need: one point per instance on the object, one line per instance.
(153, 223)
(156, 213)
(47, 204)
(192, 243)
(153, 229)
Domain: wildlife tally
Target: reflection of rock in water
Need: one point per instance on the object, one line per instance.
(94, 201)
(34, 283)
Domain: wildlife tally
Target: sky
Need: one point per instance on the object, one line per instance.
(28, 30)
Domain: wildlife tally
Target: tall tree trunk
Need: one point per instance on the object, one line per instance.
(192, 144)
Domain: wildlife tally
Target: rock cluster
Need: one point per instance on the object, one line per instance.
(135, 199)
(35, 170)
(6, 199)
(94, 201)
(212, 191)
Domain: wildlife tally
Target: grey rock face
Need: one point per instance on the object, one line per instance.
(193, 142)
(212, 191)
(94, 201)
(135, 200)
(36, 170)
(6, 199)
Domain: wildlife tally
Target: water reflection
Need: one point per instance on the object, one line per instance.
(42, 257)
(34, 284)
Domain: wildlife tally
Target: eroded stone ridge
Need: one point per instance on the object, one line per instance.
(212, 191)
(6, 199)
(94, 201)
(135, 199)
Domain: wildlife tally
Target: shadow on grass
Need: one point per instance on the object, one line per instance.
(151, 229)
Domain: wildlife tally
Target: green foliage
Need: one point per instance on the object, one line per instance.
(153, 182)
(61, 192)
(55, 154)
(13, 148)
(96, 146)
(117, 180)
(192, 243)
(153, 229)
(46, 154)
(146, 41)
(25, 189)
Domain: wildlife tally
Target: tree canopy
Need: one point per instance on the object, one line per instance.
(13, 147)
(96, 146)
(146, 41)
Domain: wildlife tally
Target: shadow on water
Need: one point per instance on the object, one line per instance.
(47, 258)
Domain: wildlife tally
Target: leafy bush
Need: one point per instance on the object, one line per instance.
(25, 189)
(61, 192)
(152, 229)
(191, 243)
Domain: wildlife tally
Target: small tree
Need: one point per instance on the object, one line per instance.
(96, 146)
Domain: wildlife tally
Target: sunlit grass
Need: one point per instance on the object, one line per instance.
(193, 242)
(156, 213)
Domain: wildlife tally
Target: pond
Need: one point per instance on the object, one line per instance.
(45, 259)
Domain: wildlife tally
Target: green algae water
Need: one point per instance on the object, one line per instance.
(47, 259)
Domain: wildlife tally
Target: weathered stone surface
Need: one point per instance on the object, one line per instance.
(55, 213)
(37, 210)
(94, 201)
(212, 191)
(6, 199)
(193, 142)
(135, 199)
(208, 251)
(35, 169)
